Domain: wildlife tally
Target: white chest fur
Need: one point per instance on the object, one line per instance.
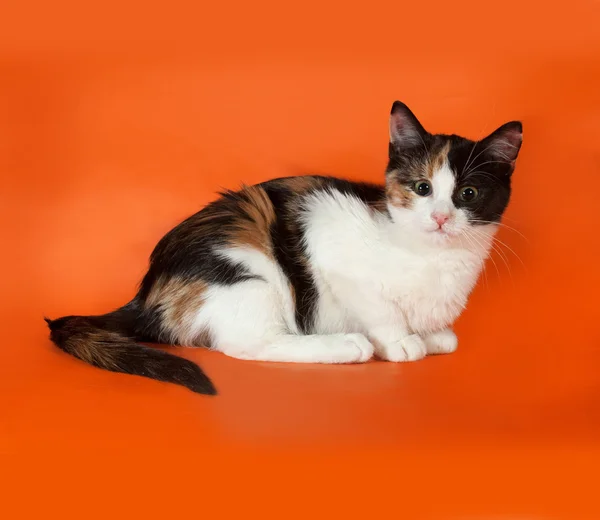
(369, 269)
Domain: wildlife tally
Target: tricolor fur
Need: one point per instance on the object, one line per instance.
(317, 269)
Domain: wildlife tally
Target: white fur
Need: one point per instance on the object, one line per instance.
(442, 342)
(400, 283)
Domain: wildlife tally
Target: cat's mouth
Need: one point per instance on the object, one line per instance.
(440, 230)
(443, 232)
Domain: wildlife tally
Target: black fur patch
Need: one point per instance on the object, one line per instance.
(472, 166)
(189, 249)
(287, 234)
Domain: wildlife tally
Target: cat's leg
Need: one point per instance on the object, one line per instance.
(315, 348)
(381, 320)
(388, 331)
(255, 319)
(441, 342)
(394, 343)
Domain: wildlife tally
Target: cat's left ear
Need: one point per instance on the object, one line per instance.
(405, 130)
(503, 145)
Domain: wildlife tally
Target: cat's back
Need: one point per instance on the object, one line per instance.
(249, 215)
(285, 190)
(266, 218)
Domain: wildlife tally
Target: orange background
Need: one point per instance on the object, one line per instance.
(119, 120)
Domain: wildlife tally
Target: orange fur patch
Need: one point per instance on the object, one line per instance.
(437, 161)
(179, 301)
(256, 230)
(401, 195)
(397, 193)
(300, 184)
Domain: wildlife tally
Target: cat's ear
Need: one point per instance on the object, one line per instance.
(405, 129)
(504, 144)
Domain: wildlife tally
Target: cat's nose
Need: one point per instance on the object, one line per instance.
(440, 218)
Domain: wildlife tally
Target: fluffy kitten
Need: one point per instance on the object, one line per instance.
(317, 269)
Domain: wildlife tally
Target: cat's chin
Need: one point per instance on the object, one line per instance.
(442, 237)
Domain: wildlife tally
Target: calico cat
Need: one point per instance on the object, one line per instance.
(317, 269)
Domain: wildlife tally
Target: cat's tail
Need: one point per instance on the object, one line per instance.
(109, 342)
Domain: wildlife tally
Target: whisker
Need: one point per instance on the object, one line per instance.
(481, 173)
(511, 250)
(423, 141)
(501, 244)
(483, 164)
(475, 158)
(504, 217)
(469, 158)
(502, 224)
(502, 256)
(474, 237)
(481, 259)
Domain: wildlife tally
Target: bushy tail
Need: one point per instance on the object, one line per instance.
(108, 342)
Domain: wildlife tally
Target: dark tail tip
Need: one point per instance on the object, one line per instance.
(183, 372)
(55, 326)
(203, 385)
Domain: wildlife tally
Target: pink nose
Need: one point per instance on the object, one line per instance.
(440, 218)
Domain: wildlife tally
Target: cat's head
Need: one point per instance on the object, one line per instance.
(444, 187)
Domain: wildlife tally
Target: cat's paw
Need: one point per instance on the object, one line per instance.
(442, 342)
(363, 346)
(409, 348)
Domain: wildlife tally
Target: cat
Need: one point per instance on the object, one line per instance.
(317, 269)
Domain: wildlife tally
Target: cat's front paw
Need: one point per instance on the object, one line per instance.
(361, 344)
(409, 348)
(442, 342)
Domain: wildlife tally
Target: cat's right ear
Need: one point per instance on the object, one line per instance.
(504, 144)
(405, 130)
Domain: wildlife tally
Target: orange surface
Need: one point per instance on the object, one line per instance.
(119, 120)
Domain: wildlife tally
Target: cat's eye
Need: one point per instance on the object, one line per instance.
(469, 194)
(422, 188)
